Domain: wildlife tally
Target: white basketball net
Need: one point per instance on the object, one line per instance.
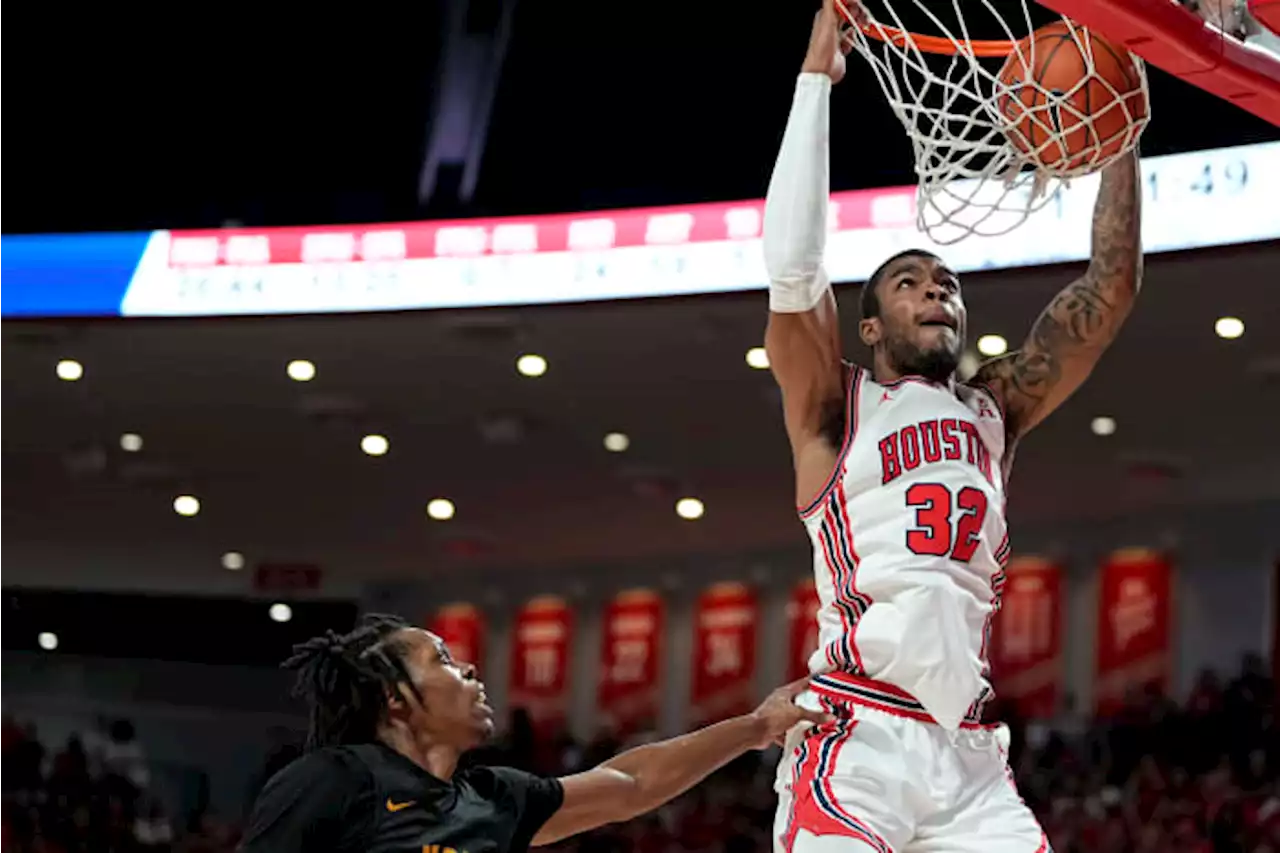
(973, 179)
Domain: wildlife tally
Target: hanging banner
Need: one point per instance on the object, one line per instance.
(630, 668)
(724, 649)
(1026, 638)
(802, 628)
(542, 638)
(462, 628)
(1134, 626)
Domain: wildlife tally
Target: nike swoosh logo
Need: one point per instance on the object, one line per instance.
(395, 807)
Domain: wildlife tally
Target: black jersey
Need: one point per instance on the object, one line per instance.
(371, 799)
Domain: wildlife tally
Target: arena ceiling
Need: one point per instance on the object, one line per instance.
(278, 467)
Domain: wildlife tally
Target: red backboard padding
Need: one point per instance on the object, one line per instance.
(1267, 13)
(1177, 40)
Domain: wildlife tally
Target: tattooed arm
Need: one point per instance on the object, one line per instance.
(1081, 322)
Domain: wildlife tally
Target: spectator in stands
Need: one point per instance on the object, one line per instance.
(122, 755)
(70, 785)
(152, 829)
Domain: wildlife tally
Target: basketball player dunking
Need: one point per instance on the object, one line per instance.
(901, 473)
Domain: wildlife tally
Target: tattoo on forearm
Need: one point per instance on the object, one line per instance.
(1078, 316)
(1085, 316)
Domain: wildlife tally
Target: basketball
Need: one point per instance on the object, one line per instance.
(1075, 109)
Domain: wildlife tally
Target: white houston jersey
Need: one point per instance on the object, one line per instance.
(910, 541)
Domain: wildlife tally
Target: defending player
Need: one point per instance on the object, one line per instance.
(391, 715)
(900, 475)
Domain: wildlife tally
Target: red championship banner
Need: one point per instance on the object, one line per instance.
(462, 629)
(802, 628)
(542, 639)
(630, 660)
(724, 648)
(1134, 626)
(1026, 638)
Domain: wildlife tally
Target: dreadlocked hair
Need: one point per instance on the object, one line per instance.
(346, 679)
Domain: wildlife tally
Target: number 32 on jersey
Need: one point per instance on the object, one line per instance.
(937, 533)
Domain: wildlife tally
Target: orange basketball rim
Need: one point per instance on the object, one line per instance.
(925, 44)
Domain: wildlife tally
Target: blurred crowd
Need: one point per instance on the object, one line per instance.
(1158, 778)
(94, 794)
(1161, 777)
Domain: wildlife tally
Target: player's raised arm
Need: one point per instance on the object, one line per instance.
(1081, 322)
(803, 335)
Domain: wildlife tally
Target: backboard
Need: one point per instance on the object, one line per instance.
(1242, 66)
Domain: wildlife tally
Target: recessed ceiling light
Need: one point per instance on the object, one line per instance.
(47, 640)
(1229, 327)
(301, 370)
(992, 345)
(131, 442)
(280, 612)
(186, 505)
(375, 445)
(616, 442)
(440, 509)
(69, 370)
(233, 561)
(758, 358)
(690, 508)
(531, 365)
(1103, 425)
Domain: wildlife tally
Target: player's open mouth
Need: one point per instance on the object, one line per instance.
(939, 317)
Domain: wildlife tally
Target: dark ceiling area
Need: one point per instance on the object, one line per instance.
(294, 116)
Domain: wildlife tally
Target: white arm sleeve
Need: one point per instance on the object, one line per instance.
(795, 210)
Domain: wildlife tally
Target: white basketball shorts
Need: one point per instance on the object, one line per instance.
(885, 777)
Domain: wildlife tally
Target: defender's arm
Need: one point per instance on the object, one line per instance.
(1081, 322)
(643, 778)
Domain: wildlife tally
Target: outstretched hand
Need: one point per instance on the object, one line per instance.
(778, 713)
(829, 42)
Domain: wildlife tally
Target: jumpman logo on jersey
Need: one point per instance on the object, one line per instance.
(984, 409)
(885, 398)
